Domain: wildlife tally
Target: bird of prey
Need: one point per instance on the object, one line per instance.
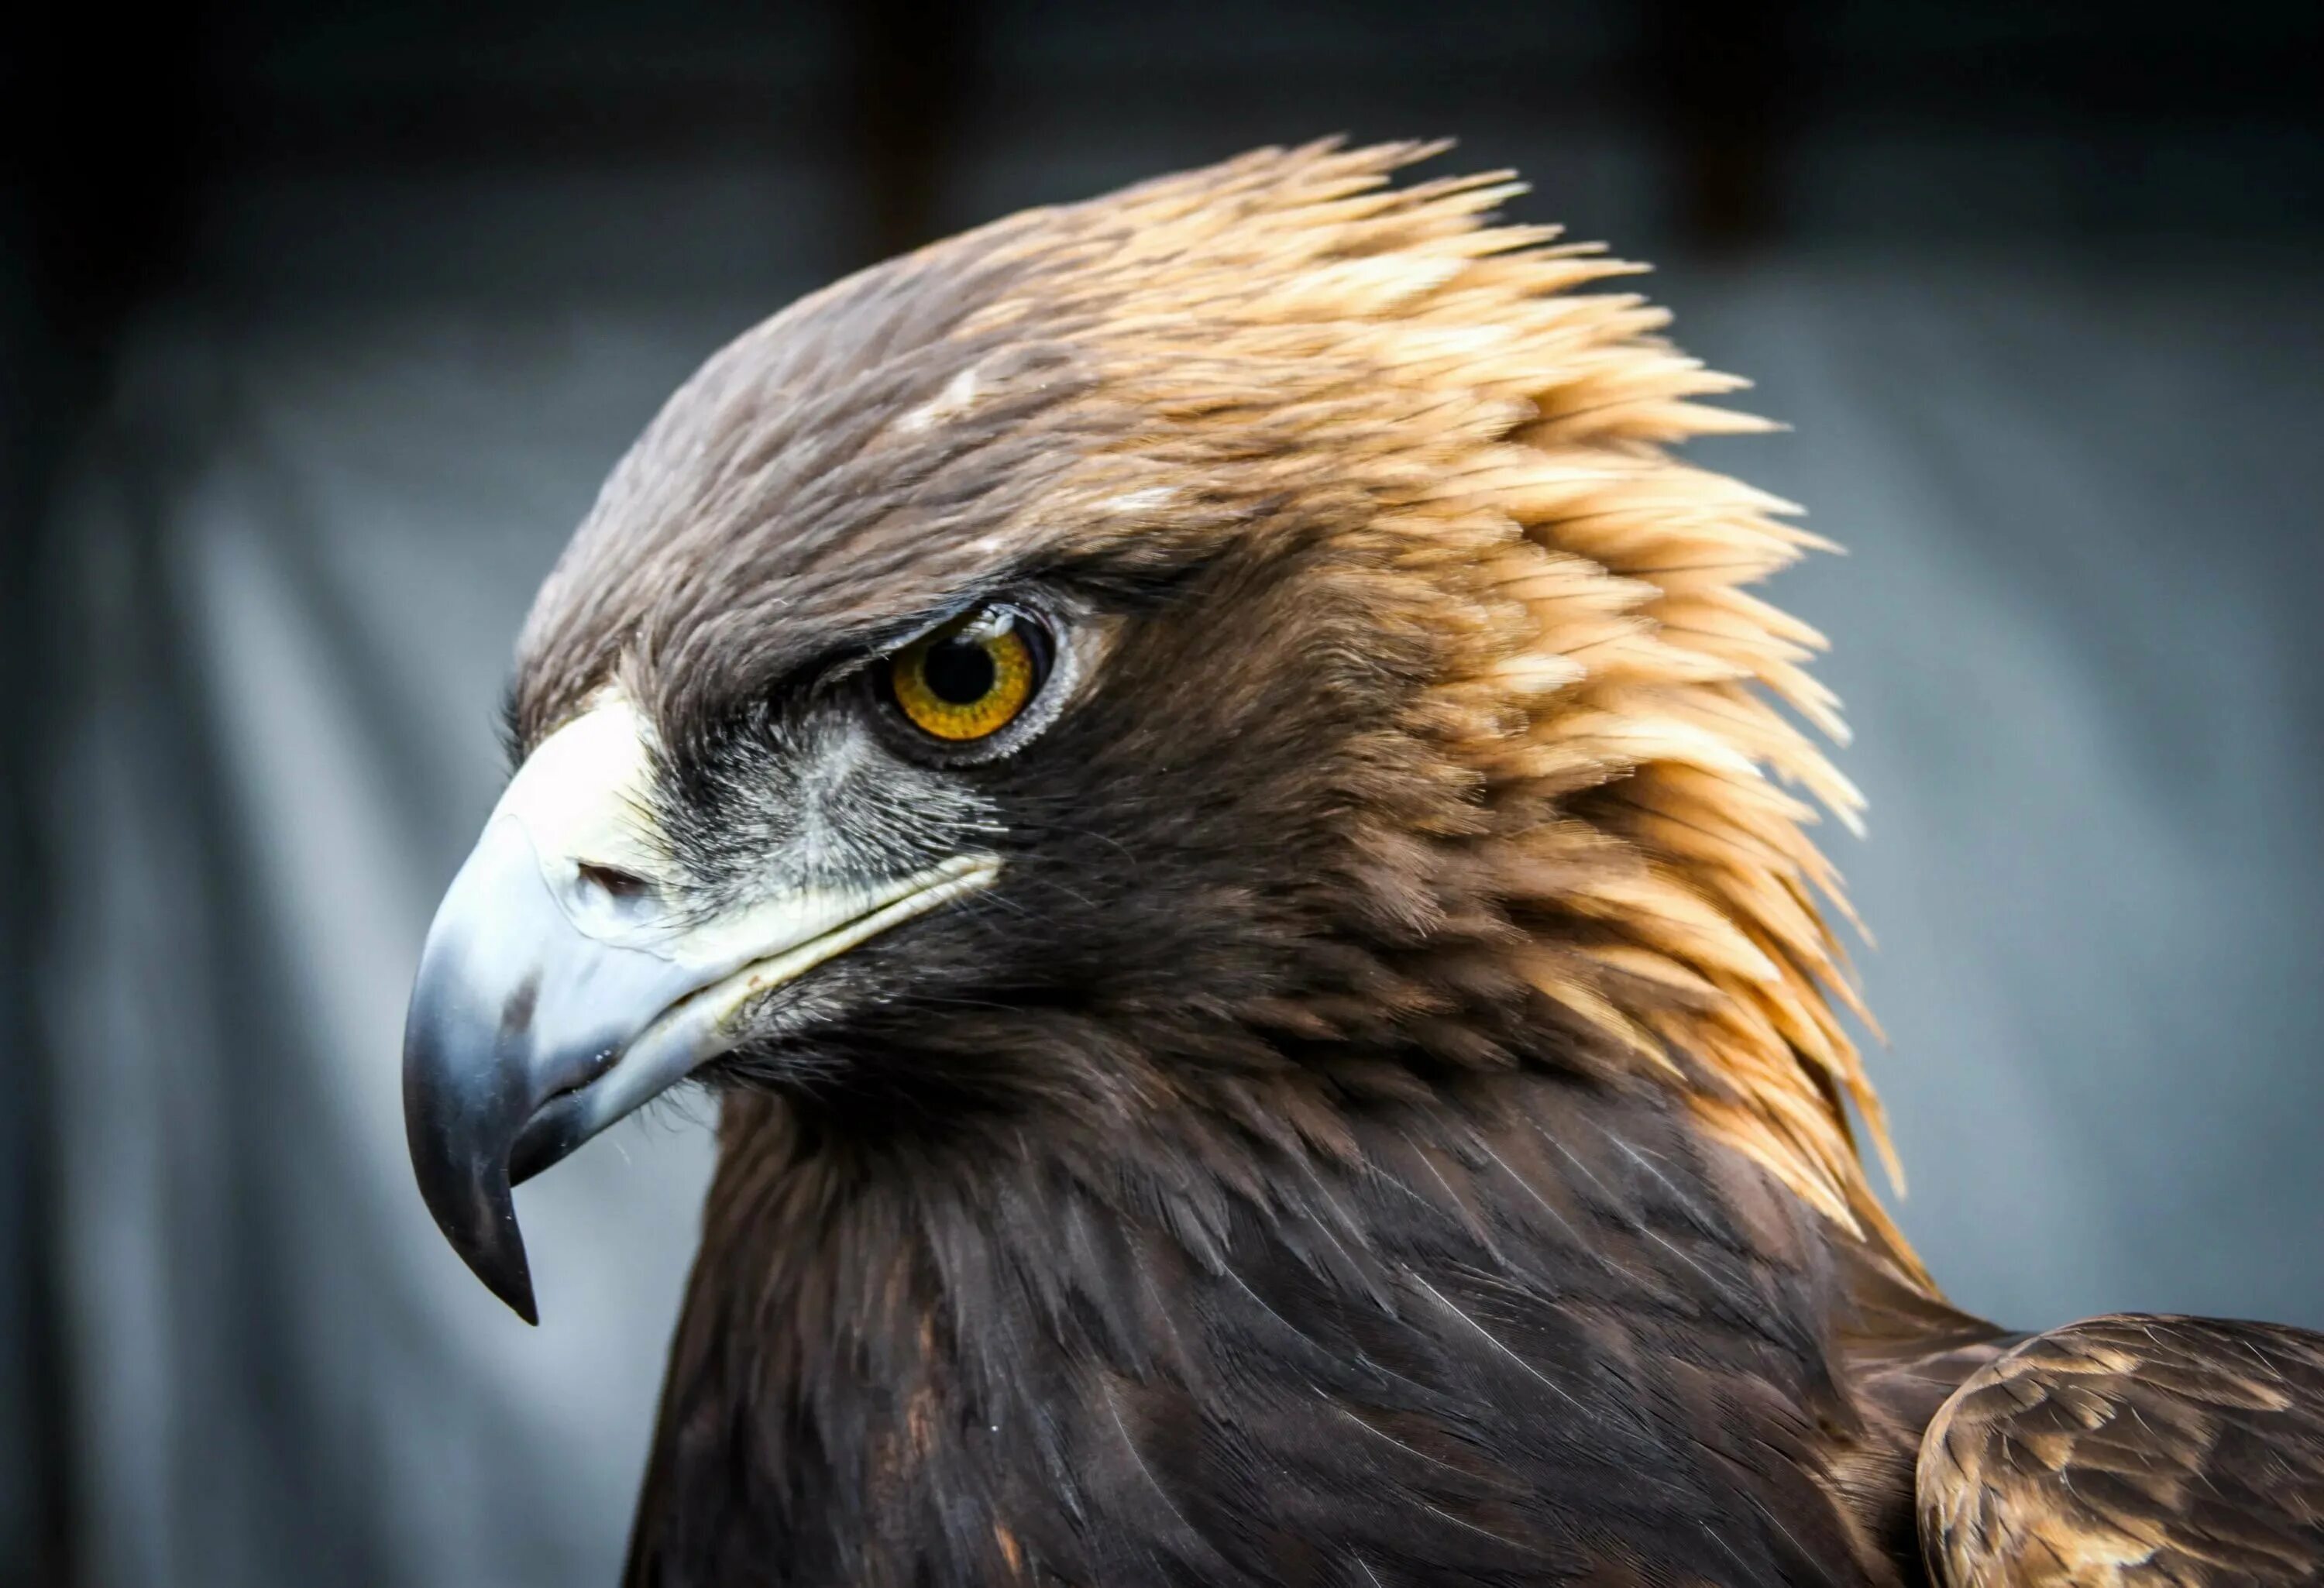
(1214, 802)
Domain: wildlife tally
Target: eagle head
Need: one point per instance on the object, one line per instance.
(1235, 650)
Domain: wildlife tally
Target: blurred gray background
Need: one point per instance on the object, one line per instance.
(321, 325)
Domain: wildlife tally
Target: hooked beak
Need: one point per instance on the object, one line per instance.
(562, 985)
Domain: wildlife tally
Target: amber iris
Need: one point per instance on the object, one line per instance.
(967, 680)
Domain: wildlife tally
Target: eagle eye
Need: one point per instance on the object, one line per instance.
(973, 676)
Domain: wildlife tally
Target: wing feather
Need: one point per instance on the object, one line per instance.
(2130, 1452)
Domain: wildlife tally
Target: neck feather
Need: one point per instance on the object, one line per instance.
(1543, 1319)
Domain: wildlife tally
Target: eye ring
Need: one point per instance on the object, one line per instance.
(969, 680)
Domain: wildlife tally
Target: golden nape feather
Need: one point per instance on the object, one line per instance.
(1514, 432)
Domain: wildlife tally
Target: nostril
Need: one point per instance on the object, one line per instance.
(614, 882)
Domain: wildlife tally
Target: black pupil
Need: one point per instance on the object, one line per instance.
(960, 672)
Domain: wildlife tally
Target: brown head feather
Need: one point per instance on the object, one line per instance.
(1594, 776)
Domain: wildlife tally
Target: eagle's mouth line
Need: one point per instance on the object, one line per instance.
(938, 886)
(698, 1026)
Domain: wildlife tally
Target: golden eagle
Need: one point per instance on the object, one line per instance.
(1217, 808)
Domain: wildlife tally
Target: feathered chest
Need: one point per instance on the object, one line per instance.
(1561, 1341)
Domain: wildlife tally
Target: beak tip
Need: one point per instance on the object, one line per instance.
(494, 1248)
(500, 1264)
(467, 1193)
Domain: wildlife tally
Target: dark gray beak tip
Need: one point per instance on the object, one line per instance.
(490, 1244)
(459, 1146)
(476, 1212)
